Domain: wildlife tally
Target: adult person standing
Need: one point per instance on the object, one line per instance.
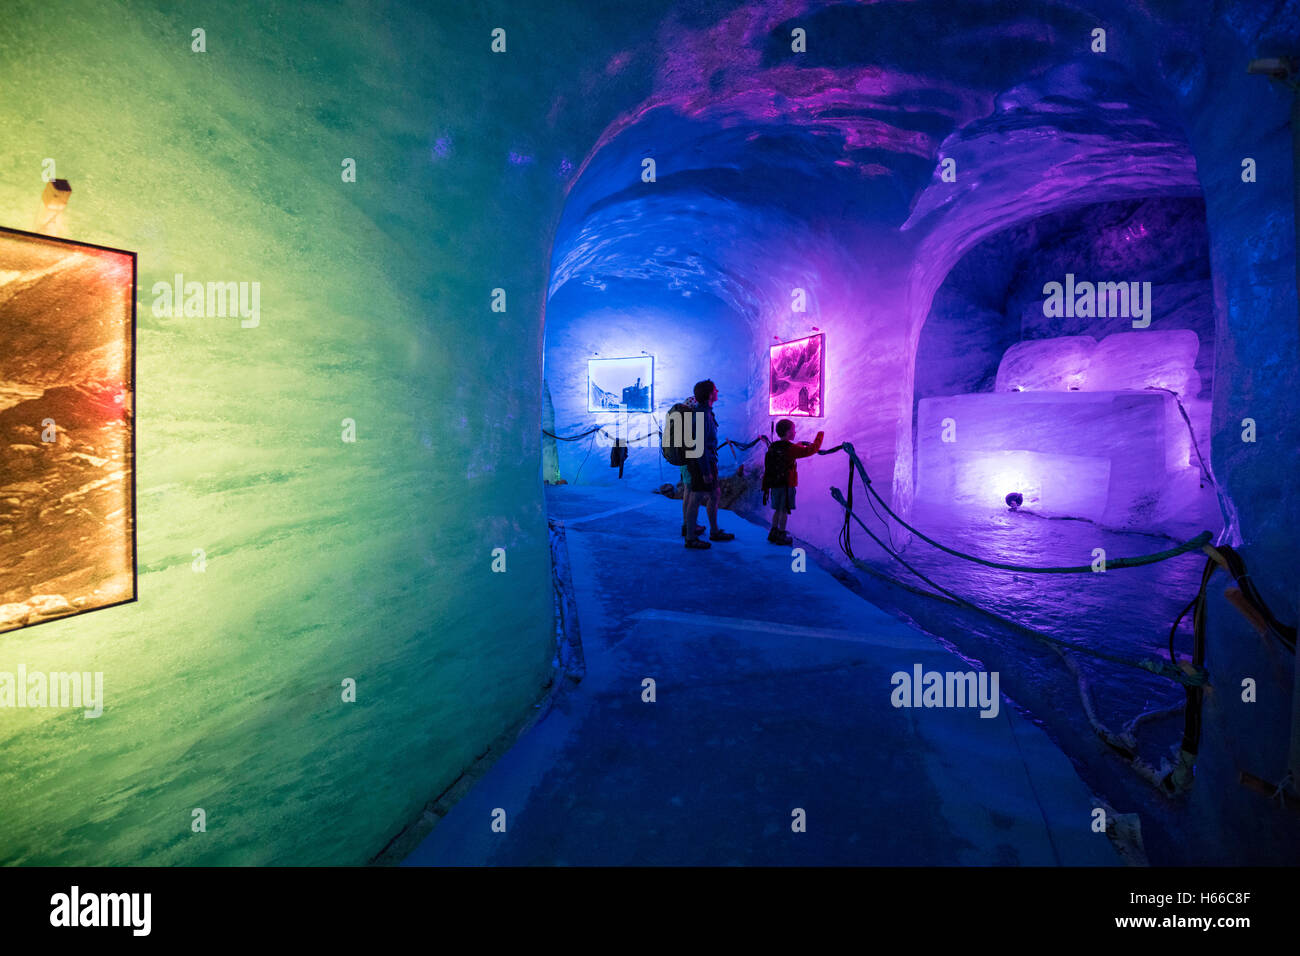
(704, 485)
(692, 406)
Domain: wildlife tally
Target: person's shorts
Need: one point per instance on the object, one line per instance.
(783, 499)
(686, 478)
(700, 481)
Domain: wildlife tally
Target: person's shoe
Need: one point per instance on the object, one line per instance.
(697, 545)
(775, 537)
(785, 538)
(721, 535)
(699, 529)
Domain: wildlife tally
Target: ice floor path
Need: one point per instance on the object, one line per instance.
(773, 693)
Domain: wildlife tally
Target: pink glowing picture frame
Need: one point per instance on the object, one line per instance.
(797, 378)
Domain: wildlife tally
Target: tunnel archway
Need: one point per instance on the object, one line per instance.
(992, 331)
(853, 184)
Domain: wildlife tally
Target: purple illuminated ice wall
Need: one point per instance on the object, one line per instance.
(849, 187)
(909, 182)
(797, 378)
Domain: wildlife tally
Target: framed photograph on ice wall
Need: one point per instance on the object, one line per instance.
(67, 427)
(797, 381)
(621, 384)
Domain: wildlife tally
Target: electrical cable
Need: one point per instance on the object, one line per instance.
(1205, 469)
(590, 446)
(1231, 561)
(1226, 508)
(1174, 630)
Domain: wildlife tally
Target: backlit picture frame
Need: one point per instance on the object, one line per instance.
(621, 384)
(797, 378)
(67, 428)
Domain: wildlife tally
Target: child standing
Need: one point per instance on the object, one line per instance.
(781, 476)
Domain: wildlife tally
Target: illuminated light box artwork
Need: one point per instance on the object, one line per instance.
(67, 440)
(797, 385)
(620, 384)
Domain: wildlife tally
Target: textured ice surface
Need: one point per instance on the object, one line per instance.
(1147, 358)
(1125, 360)
(1105, 456)
(1046, 365)
(322, 560)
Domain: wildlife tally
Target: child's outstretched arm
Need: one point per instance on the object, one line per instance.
(803, 449)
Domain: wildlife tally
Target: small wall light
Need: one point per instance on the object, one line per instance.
(53, 201)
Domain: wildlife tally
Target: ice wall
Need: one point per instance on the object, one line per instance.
(690, 340)
(323, 560)
(1105, 456)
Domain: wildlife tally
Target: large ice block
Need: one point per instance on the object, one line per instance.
(1105, 456)
(1046, 365)
(1146, 358)
(1065, 484)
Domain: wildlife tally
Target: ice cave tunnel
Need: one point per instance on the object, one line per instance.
(1010, 261)
(1034, 262)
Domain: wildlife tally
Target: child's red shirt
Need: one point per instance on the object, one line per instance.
(795, 451)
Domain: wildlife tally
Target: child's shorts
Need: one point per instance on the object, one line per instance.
(783, 499)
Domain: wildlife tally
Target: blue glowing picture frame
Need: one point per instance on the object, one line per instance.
(621, 384)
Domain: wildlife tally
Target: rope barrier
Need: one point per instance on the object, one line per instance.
(1194, 678)
(1224, 556)
(602, 429)
(1195, 544)
(746, 445)
(1192, 674)
(855, 464)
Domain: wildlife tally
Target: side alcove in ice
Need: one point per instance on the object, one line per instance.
(1079, 428)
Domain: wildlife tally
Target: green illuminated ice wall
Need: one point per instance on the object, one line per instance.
(322, 559)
